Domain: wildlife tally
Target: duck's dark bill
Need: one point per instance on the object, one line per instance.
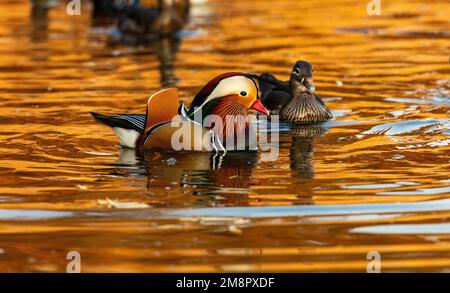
(309, 84)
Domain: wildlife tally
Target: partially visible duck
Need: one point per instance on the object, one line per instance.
(40, 20)
(228, 95)
(294, 100)
(39, 8)
(108, 8)
(166, 20)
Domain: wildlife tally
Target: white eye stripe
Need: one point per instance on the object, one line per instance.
(296, 71)
(230, 85)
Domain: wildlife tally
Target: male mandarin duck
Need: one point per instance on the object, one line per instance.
(216, 120)
(294, 100)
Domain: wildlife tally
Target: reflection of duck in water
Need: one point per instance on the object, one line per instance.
(166, 50)
(302, 149)
(294, 100)
(39, 18)
(233, 169)
(207, 173)
(231, 178)
(40, 8)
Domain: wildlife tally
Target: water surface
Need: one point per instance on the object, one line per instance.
(374, 178)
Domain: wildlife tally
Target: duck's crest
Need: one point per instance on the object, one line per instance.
(204, 93)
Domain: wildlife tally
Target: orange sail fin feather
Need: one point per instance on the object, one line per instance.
(161, 107)
(161, 133)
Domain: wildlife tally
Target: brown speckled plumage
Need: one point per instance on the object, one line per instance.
(294, 100)
(305, 108)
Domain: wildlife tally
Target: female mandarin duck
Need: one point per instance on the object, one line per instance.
(39, 6)
(294, 100)
(136, 17)
(205, 126)
(166, 20)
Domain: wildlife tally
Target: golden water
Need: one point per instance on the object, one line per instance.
(373, 179)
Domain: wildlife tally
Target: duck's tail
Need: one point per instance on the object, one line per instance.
(128, 127)
(161, 107)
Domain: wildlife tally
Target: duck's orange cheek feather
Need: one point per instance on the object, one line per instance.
(247, 100)
(229, 105)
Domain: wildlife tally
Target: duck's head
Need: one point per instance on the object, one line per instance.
(222, 106)
(173, 15)
(305, 106)
(302, 77)
(181, 7)
(231, 93)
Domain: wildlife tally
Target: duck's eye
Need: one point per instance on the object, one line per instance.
(243, 93)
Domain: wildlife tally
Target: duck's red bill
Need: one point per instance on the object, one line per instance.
(258, 106)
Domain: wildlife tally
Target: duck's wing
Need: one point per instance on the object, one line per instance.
(275, 100)
(264, 85)
(182, 135)
(127, 127)
(129, 121)
(268, 82)
(161, 107)
(126, 121)
(283, 85)
(274, 93)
